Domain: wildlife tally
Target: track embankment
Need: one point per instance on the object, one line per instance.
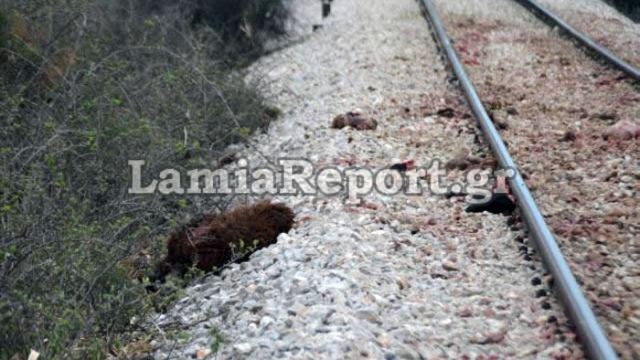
(569, 122)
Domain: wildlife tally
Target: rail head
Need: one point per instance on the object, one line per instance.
(575, 304)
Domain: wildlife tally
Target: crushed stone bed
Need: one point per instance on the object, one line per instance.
(540, 88)
(603, 23)
(401, 276)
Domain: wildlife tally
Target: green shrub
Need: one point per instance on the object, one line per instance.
(243, 23)
(95, 84)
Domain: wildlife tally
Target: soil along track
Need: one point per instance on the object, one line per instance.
(556, 104)
(399, 276)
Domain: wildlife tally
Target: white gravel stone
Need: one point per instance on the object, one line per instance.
(370, 281)
(243, 348)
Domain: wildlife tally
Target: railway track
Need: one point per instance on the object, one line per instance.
(414, 276)
(598, 50)
(576, 305)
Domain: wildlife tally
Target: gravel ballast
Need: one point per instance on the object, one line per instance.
(557, 106)
(397, 276)
(603, 23)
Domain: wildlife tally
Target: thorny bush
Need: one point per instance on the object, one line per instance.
(86, 85)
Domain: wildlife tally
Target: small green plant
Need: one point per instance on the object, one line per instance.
(240, 249)
(218, 340)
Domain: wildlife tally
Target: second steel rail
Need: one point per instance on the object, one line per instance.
(575, 304)
(604, 53)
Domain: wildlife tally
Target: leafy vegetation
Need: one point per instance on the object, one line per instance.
(245, 25)
(85, 86)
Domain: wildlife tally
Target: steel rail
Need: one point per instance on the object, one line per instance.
(604, 53)
(575, 304)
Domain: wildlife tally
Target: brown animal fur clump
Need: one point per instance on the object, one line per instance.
(354, 119)
(215, 240)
